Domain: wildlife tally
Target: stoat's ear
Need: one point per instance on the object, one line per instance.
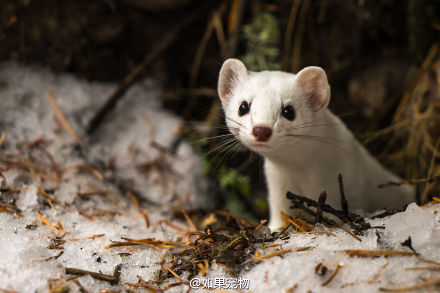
(233, 71)
(313, 81)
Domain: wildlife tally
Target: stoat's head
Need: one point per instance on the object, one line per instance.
(263, 109)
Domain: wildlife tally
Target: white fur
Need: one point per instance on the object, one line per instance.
(304, 166)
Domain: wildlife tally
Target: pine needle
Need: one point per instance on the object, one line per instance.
(422, 285)
(2, 137)
(202, 269)
(45, 221)
(84, 167)
(332, 276)
(270, 255)
(362, 252)
(174, 274)
(429, 261)
(191, 224)
(62, 119)
(261, 224)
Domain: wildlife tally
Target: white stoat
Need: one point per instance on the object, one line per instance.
(284, 118)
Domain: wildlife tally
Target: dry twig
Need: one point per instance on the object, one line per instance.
(113, 279)
(344, 203)
(320, 207)
(355, 221)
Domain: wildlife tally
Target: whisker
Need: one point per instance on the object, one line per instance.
(315, 125)
(230, 119)
(197, 127)
(213, 124)
(320, 119)
(223, 127)
(318, 137)
(327, 140)
(196, 122)
(235, 150)
(214, 137)
(344, 115)
(246, 163)
(212, 161)
(230, 149)
(225, 144)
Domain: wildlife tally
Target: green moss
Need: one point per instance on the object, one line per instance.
(262, 38)
(231, 179)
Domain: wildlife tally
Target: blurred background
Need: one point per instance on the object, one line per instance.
(381, 58)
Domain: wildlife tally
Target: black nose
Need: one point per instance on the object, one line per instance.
(262, 133)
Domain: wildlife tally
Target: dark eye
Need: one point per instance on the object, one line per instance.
(288, 113)
(243, 109)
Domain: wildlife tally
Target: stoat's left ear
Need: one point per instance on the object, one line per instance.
(232, 72)
(313, 82)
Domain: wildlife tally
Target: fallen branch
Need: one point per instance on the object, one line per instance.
(344, 203)
(159, 244)
(355, 221)
(320, 207)
(390, 212)
(113, 280)
(150, 285)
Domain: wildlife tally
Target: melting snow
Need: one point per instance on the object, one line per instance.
(122, 148)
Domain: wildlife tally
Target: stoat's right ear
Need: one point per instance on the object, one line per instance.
(314, 84)
(232, 71)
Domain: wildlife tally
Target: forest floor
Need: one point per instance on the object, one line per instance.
(123, 211)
